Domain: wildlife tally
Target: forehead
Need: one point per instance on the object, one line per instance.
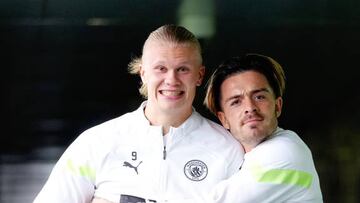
(243, 82)
(166, 50)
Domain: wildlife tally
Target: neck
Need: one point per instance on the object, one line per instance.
(248, 148)
(251, 144)
(166, 119)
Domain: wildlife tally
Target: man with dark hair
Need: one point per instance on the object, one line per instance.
(246, 95)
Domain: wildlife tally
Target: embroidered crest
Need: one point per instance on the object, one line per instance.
(195, 170)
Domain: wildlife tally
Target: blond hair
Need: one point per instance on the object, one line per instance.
(166, 33)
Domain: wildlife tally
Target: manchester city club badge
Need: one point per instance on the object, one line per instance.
(195, 170)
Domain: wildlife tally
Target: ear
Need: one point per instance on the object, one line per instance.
(142, 73)
(221, 116)
(201, 76)
(278, 106)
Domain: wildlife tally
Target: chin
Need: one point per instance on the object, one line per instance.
(254, 132)
(173, 107)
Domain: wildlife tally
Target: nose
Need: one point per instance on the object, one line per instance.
(171, 78)
(250, 105)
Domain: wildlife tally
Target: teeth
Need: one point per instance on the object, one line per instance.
(171, 93)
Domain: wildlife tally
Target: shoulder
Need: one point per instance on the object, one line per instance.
(288, 140)
(283, 140)
(215, 138)
(99, 140)
(213, 130)
(113, 127)
(106, 135)
(284, 147)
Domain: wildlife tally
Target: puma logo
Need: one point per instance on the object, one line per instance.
(127, 164)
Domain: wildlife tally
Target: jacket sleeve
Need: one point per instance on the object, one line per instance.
(73, 176)
(263, 185)
(272, 174)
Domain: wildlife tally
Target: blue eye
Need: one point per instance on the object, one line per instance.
(160, 68)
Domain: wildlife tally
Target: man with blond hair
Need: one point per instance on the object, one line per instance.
(163, 150)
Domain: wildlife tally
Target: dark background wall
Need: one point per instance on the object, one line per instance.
(63, 69)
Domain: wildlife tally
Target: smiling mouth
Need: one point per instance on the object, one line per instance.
(171, 93)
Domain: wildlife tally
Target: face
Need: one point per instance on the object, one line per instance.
(249, 108)
(171, 73)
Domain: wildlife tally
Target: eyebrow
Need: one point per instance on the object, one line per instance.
(180, 64)
(252, 92)
(260, 90)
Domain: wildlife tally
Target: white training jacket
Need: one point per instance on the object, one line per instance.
(280, 169)
(127, 157)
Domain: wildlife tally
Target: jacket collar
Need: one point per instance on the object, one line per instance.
(189, 125)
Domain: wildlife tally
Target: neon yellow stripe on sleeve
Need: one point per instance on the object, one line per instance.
(282, 176)
(84, 171)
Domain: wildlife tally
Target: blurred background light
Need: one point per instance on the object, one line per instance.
(198, 16)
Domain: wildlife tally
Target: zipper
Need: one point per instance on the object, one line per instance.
(164, 153)
(242, 163)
